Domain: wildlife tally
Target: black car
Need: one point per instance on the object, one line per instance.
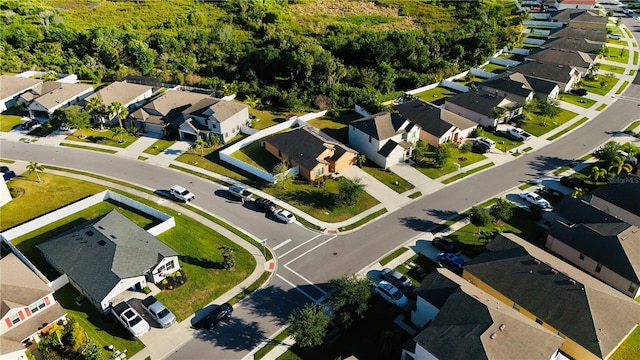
(580, 92)
(30, 124)
(572, 182)
(444, 245)
(480, 147)
(266, 204)
(7, 173)
(216, 316)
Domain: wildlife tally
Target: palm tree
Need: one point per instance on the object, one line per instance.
(96, 107)
(57, 329)
(199, 144)
(119, 132)
(118, 110)
(548, 109)
(597, 173)
(579, 192)
(35, 167)
(253, 102)
(618, 165)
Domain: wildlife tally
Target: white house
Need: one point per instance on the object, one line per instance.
(385, 138)
(129, 95)
(28, 308)
(104, 257)
(211, 116)
(11, 87)
(50, 96)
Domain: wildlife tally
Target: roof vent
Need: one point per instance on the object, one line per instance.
(102, 243)
(89, 233)
(502, 326)
(554, 271)
(112, 236)
(536, 261)
(493, 336)
(572, 282)
(100, 227)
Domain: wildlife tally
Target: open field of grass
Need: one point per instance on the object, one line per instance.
(436, 95)
(102, 137)
(602, 86)
(577, 100)
(537, 125)
(455, 162)
(388, 178)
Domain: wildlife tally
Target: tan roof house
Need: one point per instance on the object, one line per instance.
(44, 99)
(129, 95)
(11, 87)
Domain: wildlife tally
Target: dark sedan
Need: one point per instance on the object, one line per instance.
(266, 204)
(444, 245)
(216, 316)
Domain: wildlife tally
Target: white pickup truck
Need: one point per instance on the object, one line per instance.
(240, 192)
(130, 318)
(518, 134)
(158, 311)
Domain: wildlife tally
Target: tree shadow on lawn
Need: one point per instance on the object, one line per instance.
(200, 262)
(318, 199)
(96, 139)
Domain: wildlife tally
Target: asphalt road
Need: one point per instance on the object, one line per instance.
(308, 260)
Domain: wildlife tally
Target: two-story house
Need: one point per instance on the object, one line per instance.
(385, 138)
(211, 116)
(27, 306)
(484, 108)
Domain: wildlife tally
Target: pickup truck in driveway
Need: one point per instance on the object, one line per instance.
(130, 318)
(241, 193)
(518, 134)
(158, 311)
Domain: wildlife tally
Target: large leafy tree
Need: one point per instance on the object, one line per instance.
(309, 325)
(76, 118)
(442, 154)
(350, 191)
(502, 210)
(479, 217)
(349, 298)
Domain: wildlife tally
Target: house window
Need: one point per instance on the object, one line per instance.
(319, 171)
(15, 319)
(213, 125)
(633, 287)
(516, 307)
(598, 268)
(169, 265)
(37, 306)
(581, 256)
(279, 154)
(539, 321)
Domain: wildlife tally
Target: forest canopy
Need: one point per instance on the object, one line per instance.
(289, 54)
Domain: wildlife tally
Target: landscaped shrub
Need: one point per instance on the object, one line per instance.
(146, 290)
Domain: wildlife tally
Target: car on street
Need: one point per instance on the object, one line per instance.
(240, 192)
(391, 294)
(7, 173)
(450, 261)
(158, 311)
(536, 199)
(284, 216)
(30, 124)
(579, 91)
(445, 246)
(181, 193)
(213, 318)
(266, 204)
(480, 148)
(396, 278)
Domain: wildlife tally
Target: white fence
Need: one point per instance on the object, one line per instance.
(504, 62)
(540, 16)
(542, 23)
(454, 85)
(58, 283)
(519, 51)
(531, 41)
(481, 73)
(225, 155)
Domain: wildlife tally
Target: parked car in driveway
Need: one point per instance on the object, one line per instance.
(480, 148)
(391, 294)
(130, 319)
(536, 199)
(213, 318)
(444, 245)
(181, 193)
(30, 124)
(572, 182)
(266, 204)
(580, 92)
(158, 311)
(452, 262)
(396, 278)
(485, 141)
(284, 216)
(517, 134)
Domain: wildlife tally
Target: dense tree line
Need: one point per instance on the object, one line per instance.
(256, 51)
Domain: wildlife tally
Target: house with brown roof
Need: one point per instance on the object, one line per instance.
(437, 125)
(591, 317)
(620, 198)
(385, 138)
(211, 116)
(468, 323)
(11, 87)
(27, 306)
(50, 96)
(314, 153)
(597, 242)
(129, 95)
(575, 4)
(480, 107)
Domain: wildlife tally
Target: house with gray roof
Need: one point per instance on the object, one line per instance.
(576, 59)
(591, 317)
(385, 138)
(106, 256)
(512, 85)
(27, 307)
(127, 94)
(574, 44)
(437, 125)
(620, 197)
(211, 116)
(314, 153)
(471, 324)
(598, 243)
(44, 99)
(598, 34)
(11, 87)
(480, 107)
(565, 76)
(580, 17)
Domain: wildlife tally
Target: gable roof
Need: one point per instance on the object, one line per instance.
(474, 325)
(573, 44)
(545, 70)
(481, 102)
(19, 285)
(382, 126)
(122, 92)
(577, 2)
(562, 56)
(53, 93)
(12, 85)
(541, 86)
(306, 144)
(598, 34)
(513, 83)
(222, 109)
(622, 191)
(436, 288)
(579, 15)
(433, 119)
(168, 106)
(99, 253)
(590, 313)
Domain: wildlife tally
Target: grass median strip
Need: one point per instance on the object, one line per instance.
(601, 107)
(467, 173)
(569, 128)
(395, 254)
(621, 89)
(272, 344)
(109, 151)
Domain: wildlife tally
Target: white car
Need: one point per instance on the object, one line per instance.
(284, 216)
(535, 199)
(181, 193)
(391, 294)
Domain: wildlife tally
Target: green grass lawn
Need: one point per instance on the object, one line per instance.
(577, 100)
(159, 146)
(537, 125)
(630, 348)
(10, 119)
(254, 154)
(612, 68)
(102, 137)
(596, 87)
(437, 95)
(495, 68)
(569, 128)
(267, 118)
(336, 126)
(397, 252)
(620, 55)
(467, 173)
(320, 202)
(601, 107)
(622, 87)
(427, 167)
(501, 140)
(635, 57)
(388, 178)
(92, 148)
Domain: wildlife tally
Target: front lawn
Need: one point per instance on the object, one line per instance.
(495, 68)
(11, 118)
(336, 126)
(257, 156)
(503, 143)
(612, 68)
(601, 86)
(102, 137)
(159, 146)
(455, 162)
(319, 202)
(577, 100)
(436, 95)
(387, 177)
(265, 119)
(620, 55)
(536, 125)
